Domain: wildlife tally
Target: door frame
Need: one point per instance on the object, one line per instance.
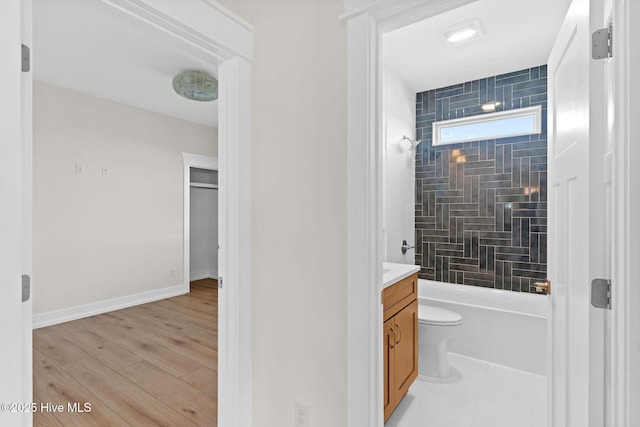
(365, 27)
(217, 34)
(15, 211)
(189, 161)
(26, 208)
(626, 230)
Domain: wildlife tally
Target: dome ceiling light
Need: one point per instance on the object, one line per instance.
(196, 85)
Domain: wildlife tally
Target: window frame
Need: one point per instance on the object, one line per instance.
(535, 111)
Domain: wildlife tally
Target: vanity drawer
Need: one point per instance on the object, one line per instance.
(398, 295)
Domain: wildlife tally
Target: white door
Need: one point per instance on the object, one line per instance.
(569, 221)
(15, 323)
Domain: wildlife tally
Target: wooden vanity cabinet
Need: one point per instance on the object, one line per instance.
(400, 340)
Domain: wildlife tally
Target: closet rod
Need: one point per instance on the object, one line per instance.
(201, 185)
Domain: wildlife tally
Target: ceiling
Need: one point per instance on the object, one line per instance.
(517, 35)
(90, 47)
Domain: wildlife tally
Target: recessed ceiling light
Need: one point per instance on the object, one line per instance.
(462, 32)
(461, 35)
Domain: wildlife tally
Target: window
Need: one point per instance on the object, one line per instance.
(522, 121)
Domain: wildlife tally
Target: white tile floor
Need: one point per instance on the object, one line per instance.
(478, 394)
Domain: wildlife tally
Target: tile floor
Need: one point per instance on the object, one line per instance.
(478, 394)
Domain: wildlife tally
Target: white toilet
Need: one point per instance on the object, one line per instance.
(435, 326)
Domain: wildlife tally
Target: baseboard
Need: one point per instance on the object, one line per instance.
(199, 275)
(475, 359)
(86, 310)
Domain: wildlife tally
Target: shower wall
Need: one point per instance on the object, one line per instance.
(399, 168)
(481, 207)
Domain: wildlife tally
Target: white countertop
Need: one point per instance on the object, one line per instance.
(392, 272)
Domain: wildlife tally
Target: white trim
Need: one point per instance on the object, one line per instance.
(234, 235)
(199, 161)
(15, 338)
(81, 311)
(364, 224)
(205, 26)
(535, 111)
(27, 204)
(626, 250)
(189, 161)
(393, 14)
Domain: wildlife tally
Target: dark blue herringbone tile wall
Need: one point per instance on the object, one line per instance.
(481, 207)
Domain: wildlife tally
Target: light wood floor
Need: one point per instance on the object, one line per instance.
(150, 365)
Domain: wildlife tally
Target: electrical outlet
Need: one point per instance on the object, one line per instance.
(79, 169)
(172, 272)
(301, 415)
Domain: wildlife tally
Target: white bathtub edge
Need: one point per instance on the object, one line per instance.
(501, 328)
(521, 303)
(520, 313)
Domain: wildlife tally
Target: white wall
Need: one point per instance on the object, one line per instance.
(299, 210)
(203, 239)
(399, 193)
(99, 237)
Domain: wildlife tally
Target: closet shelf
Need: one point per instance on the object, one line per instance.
(203, 185)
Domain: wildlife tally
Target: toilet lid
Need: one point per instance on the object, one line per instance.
(430, 315)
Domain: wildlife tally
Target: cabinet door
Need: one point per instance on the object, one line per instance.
(406, 350)
(389, 342)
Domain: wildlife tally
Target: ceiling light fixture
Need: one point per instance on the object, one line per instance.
(461, 35)
(490, 106)
(462, 32)
(196, 85)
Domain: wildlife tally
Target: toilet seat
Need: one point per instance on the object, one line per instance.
(429, 315)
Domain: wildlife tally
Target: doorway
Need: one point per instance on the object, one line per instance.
(204, 225)
(365, 34)
(234, 66)
(466, 195)
(201, 218)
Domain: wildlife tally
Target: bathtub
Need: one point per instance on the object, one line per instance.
(503, 327)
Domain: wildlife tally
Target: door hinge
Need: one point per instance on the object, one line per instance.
(602, 43)
(220, 282)
(26, 58)
(601, 293)
(26, 287)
